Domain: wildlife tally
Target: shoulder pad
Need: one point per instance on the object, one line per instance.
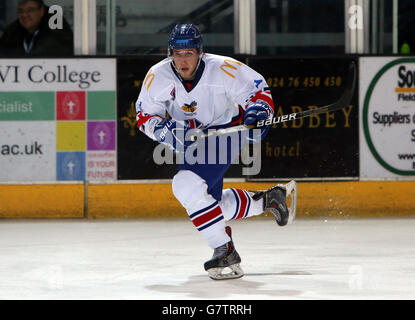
(158, 78)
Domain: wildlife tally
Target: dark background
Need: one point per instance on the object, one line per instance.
(323, 151)
(316, 152)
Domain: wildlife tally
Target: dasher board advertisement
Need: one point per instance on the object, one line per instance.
(58, 119)
(387, 118)
(322, 146)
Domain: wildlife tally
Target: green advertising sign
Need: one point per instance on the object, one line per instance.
(27, 106)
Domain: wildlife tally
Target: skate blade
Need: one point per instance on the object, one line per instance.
(217, 273)
(291, 192)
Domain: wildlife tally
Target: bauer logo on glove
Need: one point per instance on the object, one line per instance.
(164, 130)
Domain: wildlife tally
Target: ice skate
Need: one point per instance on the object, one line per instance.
(223, 257)
(275, 201)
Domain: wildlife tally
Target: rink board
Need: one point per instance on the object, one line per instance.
(147, 200)
(42, 201)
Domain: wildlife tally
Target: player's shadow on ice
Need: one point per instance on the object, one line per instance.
(202, 286)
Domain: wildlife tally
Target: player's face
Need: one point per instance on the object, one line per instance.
(29, 15)
(186, 61)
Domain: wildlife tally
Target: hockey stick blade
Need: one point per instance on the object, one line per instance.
(339, 104)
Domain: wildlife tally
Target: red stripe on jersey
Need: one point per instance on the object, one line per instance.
(141, 119)
(210, 215)
(192, 124)
(244, 202)
(260, 95)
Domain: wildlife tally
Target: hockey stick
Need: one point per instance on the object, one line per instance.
(340, 104)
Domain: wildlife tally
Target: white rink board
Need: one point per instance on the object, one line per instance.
(28, 151)
(163, 259)
(56, 74)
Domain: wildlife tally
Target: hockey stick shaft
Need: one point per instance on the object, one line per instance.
(340, 104)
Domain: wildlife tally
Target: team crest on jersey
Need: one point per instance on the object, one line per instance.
(190, 108)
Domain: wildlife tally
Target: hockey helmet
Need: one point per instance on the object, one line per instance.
(185, 36)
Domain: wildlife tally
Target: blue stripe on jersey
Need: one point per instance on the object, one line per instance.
(203, 210)
(249, 203)
(237, 204)
(210, 223)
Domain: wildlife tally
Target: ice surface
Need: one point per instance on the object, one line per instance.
(163, 259)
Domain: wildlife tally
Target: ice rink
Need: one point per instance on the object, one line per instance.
(318, 258)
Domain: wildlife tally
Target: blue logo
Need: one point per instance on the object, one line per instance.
(182, 41)
(257, 83)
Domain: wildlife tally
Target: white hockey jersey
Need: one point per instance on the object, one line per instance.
(222, 89)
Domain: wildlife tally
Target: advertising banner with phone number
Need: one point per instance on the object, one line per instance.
(318, 147)
(321, 146)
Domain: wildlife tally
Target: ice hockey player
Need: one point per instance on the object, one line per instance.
(192, 89)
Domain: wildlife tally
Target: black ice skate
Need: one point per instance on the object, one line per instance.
(275, 201)
(223, 257)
